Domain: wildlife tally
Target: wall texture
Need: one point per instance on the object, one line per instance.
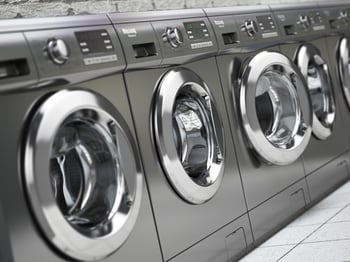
(34, 8)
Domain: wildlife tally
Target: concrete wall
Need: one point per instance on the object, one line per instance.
(34, 8)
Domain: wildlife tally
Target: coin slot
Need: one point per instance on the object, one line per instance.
(290, 30)
(230, 38)
(333, 23)
(13, 68)
(144, 50)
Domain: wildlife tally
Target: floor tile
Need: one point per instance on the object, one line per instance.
(334, 201)
(290, 236)
(342, 216)
(344, 189)
(315, 217)
(331, 231)
(333, 251)
(266, 254)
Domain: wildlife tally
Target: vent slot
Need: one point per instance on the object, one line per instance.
(230, 38)
(144, 50)
(13, 68)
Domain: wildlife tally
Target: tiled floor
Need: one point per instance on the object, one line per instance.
(321, 234)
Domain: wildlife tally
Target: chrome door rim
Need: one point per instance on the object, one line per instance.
(306, 53)
(343, 67)
(169, 86)
(56, 228)
(267, 151)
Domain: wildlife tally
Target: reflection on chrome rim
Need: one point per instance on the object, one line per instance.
(82, 174)
(188, 135)
(315, 71)
(344, 67)
(279, 125)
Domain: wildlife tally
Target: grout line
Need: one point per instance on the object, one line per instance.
(326, 241)
(312, 233)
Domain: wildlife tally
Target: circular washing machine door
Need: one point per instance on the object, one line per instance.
(275, 108)
(315, 71)
(344, 67)
(82, 174)
(188, 135)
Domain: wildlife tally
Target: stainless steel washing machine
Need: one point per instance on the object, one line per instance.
(182, 128)
(304, 30)
(269, 113)
(338, 20)
(72, 183)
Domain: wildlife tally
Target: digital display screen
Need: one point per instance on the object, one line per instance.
(196, 30)
(94, 41)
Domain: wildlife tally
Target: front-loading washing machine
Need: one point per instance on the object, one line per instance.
(269, 113)
(182, 128)
(304, 30)
(338, 20)
(72, 186)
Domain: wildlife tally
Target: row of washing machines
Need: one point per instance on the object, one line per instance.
(188, 135)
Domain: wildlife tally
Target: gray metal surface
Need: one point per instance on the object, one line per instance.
(24, 240)
(19, 25)
(227, 244)
(327, 178)
(271, 215)
(262, 183)
(236, 10)
(319, 152)
(333, 43)
(121, 18)
(180, 224)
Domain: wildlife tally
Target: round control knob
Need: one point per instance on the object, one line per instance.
(173, 36)
(250, 27)
(57, 51)
(304, 21)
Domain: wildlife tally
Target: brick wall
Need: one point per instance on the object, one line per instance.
(34, 8)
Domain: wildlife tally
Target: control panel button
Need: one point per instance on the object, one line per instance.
(173, 36)
(250, 27)
(57, 51)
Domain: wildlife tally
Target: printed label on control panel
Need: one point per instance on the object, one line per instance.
(319, 27)
(100, 59)
(201, 45)
(282, 17)
(130, 32)
(269, 35)
(219, 23)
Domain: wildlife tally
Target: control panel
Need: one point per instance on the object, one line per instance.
(257, 27)
(73, 50)
(337, 18)
(180, 35)
(181, 40)
(238, 31)
(297, 23)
